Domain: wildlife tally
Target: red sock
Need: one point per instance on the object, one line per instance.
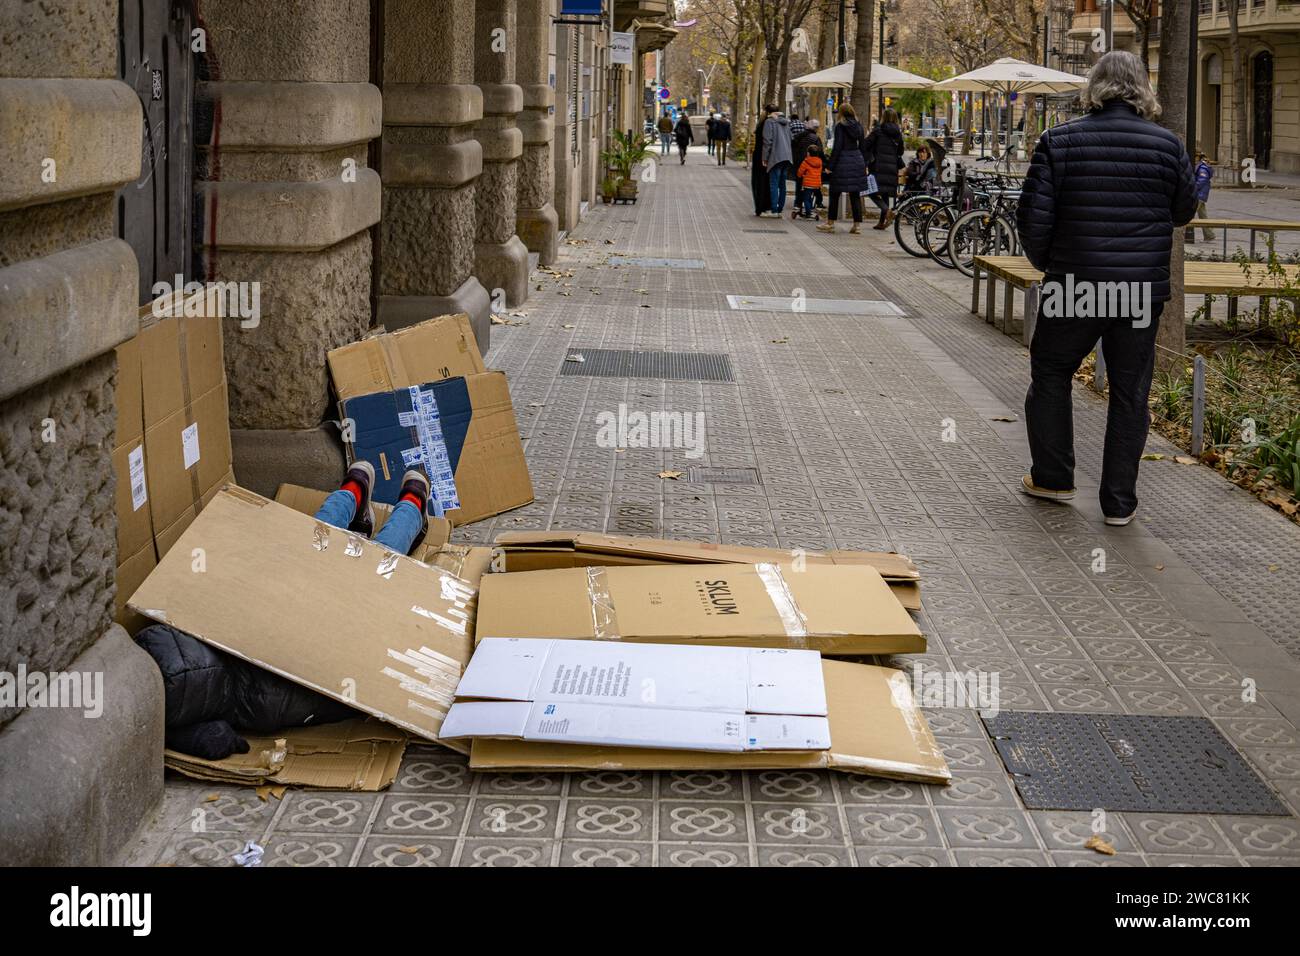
(354, 489)
(413, 499)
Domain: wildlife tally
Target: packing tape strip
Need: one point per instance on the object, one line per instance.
(433, 449)
(793, 620)
(603, 619)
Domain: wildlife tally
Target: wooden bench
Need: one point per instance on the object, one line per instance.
(1255, 226)
(1199, 278)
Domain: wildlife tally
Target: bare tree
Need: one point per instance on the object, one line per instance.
(1141, 12)
(777, 21)
(1172, 92)
(828, 33)
(1240, 148)
(968, 41)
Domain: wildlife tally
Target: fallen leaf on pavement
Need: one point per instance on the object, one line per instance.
(408, 849)
(575, 358)
(1185, 459)
(674, 475)
(1004, 418)
(1154, 456)
(1095, 842)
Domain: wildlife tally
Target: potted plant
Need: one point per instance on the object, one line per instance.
(622, 157)
(608, 187)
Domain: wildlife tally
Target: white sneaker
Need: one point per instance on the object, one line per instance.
(1121, 522)
(1047, 494)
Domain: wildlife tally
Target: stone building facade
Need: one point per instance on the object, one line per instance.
(365, 162)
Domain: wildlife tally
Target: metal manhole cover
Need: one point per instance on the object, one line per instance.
(1130, 763)
(724, 476)
(629, 363)
(785, 303)
(652, 262)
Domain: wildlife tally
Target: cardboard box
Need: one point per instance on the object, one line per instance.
(173, 434)
(547, 550)
(308, 501)
(383, 633)
(467, 562)
(876, 729)
(828, 608)
(361, 754)
(621, 694)
(422, 397)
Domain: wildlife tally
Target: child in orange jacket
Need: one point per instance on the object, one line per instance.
(810, 179)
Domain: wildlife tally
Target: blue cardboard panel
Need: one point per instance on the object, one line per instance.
(400, 429)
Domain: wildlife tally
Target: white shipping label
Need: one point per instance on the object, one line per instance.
(139, 492)
(190, 445)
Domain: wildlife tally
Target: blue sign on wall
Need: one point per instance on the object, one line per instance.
(580, 8)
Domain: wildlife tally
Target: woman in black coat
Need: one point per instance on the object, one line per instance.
(884, 152)
(759, 181)
(847, 170)
(684, 135)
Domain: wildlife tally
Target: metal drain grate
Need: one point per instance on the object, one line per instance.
(1134, 763)
(652, 262)
(765, 232)
(724, 476)
(628, 363)
(784, 303)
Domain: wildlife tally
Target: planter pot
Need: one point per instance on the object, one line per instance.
(627, 190)
(607, 198)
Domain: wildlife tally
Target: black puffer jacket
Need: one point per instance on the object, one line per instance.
(1102, 197)
(884, 153)
(848, 168)
(209, 694)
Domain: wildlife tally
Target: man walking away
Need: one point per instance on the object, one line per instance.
(847, 170)
(722, 138)
(710, 126)
(685, 136)
(1102, 198)
(1204, 179)
(665, 133)
(776, 158)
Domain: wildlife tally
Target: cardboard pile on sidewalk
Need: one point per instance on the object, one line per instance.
(173, 432)
(549, 550)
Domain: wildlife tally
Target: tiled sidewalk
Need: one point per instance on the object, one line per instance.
(844, 418)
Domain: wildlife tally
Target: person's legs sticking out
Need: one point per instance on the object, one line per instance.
(407, 522)
(350, 507)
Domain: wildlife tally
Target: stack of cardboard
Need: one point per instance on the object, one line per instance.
(576, 652)
(173, 432)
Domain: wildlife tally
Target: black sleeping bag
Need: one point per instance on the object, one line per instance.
(212, 695)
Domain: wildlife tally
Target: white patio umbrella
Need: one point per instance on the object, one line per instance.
(882, 77)
(1009, 75)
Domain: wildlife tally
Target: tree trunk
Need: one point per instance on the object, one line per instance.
(1172, 93)
(860, 95)
(828, 34)
(1239, 145)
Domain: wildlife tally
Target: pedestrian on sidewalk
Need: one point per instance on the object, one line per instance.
(758, 179)
(777, 155)
(1101, 200)
(1204, 181)
(810, 179)
(710, 126)
(847, 169)
(920, 171)
(722, 137)
(685, 136)
(665, 133)
(800, 145)
(884, 152)
(797, 126)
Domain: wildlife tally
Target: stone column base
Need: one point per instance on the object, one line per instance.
(75, 789)
(503, 265)
(540, 231)
(267, 457)
(399, 311)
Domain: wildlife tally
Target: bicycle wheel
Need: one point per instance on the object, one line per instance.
(934, 234)
(980, 232)
(908, 219)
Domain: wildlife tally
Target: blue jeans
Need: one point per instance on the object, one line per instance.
(776, 182)
(401, 528)
(666, 141)
(809, 197)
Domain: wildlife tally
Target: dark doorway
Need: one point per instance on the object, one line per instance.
(1263, 108)
(153, 213)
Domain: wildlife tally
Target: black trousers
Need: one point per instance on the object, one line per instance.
(833, 207)
(1058, 348)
